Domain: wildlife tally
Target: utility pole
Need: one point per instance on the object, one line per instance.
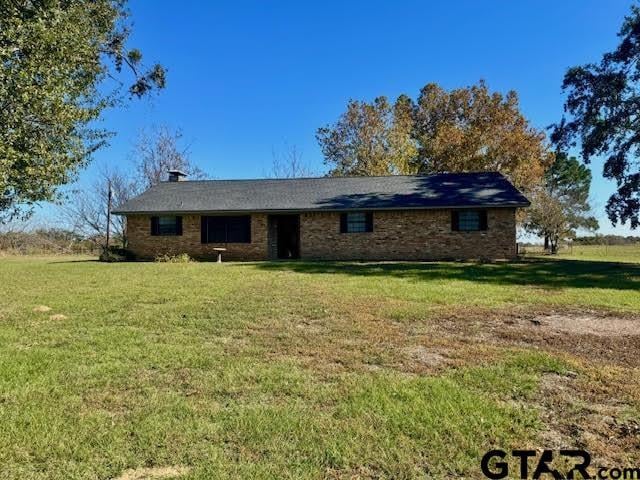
(109, 195)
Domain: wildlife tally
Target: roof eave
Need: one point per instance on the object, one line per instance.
(318, 210)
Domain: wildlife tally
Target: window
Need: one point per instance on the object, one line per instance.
(468, 220)
(226, 229)
(166, 225)
(356, 222)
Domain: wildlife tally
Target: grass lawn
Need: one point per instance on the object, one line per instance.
(313, 370)
(607, 253)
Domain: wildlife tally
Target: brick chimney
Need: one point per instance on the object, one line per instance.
(177, 176)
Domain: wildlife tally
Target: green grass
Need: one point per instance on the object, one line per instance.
(606, 253)
(268, 370)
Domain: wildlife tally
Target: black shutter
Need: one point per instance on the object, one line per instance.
(204, 238)
(369, 220)
(455, 224)
(343, 223)
(483, 219)
(178, 225)
(155, 226)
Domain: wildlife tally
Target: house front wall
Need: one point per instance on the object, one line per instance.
(143, 245)
(396, 235)
(408, 235)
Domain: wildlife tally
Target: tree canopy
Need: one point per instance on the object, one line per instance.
(62, 62)
(603, 108)
(466, 129)
(369, 138)
(561, 206)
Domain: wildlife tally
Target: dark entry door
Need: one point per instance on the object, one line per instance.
(288, 236)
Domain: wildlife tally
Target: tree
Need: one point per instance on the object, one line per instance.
(61, 64)
(547, 218)
(87, 213)
(603, 106)
(467, 129)
(289, 164)
(472, 129)
(159, 150)
(369, 138)
(562, 206)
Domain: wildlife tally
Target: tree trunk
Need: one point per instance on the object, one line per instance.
(546, 243)
(554, 245)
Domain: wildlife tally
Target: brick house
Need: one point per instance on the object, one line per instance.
(442, 216)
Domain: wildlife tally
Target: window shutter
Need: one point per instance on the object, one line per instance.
(178, 225)
(483, 219)
(204, 238)
(155, 227)
(455, 224)
(343, 223)
(369, 222)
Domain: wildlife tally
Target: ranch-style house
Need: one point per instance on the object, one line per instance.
(431, 217)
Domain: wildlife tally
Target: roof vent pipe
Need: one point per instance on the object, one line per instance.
(177, 176)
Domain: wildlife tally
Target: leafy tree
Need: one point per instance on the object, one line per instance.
(603, 104)
(548, 218)
(472, 129)
(369, 138)
(62, 62)
(562, 205)
(467, 129)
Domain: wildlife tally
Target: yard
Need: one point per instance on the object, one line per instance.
(313, 370)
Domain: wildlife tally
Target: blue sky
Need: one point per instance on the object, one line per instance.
(244, 78)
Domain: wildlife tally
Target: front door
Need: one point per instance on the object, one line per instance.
(288, 236)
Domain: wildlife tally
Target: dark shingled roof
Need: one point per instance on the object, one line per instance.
(446, 190)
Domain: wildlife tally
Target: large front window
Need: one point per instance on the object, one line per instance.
(226, 229)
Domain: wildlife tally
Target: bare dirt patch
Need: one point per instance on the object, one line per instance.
(153, 473)
(591, 335)
(58, 316)
(589, 323)
(427, 357)
(42, 308)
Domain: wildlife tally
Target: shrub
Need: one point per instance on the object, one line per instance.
(180, 258)
(111, 256)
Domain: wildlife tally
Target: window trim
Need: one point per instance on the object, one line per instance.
(482, 220)
(368, 222)
(204, 229)
(155, 226)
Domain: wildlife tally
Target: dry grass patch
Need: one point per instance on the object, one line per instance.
(154, 473)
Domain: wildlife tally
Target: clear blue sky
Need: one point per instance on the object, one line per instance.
(246, 77)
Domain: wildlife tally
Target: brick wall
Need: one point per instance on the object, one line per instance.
(397, 235)
(407, 235)
(145, 246)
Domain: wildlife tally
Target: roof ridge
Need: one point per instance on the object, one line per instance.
(333, 178)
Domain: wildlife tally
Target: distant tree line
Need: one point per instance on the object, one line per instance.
(46, 241)
(607, 240)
